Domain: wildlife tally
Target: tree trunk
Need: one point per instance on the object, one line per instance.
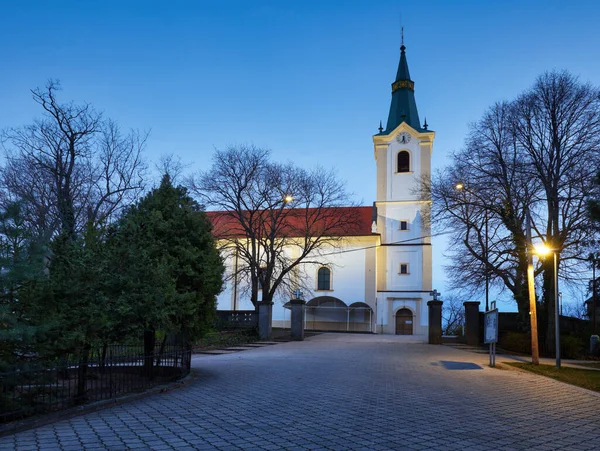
(103, 358)
(161, 350)
(149, 343)
(80, 397)
(548, 293)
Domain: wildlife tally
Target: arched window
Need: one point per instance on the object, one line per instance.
(324, 279)
(403, 161)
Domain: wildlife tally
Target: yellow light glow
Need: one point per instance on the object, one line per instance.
(459, 186)
(542, 250)
(287, 199)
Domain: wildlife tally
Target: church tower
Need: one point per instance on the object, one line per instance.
(403, 157)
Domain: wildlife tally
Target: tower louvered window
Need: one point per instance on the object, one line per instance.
(403, 161)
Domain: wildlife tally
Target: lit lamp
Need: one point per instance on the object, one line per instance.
(288, 198)
(543, 251)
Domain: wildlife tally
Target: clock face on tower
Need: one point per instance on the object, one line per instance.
(403, 138)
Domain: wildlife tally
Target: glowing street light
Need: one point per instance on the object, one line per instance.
(543, 251)
(288, 198)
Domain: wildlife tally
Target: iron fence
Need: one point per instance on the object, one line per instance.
(108, 372)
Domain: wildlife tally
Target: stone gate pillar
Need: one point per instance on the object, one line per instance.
(265, 320)
(472, 323)
(435, 322)
(297, 319)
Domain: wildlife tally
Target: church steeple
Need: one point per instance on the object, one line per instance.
(403, 107)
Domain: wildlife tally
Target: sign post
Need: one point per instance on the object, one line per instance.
(491, 331)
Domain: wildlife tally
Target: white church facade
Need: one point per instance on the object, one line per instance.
(381, 280)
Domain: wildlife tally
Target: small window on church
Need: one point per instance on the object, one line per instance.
(403, 225)
(404, 268)
(403, 161)
(324, 279)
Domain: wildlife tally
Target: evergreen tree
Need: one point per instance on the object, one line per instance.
(22, 283)
(79, 302)
(168, 267)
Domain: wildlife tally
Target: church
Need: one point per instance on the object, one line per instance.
(380, 281)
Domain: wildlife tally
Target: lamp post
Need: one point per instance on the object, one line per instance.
(592, 312)
(487, 272)
(535, 351)
(594, 319)
(594, 261)
(543, 251)
(459, 187)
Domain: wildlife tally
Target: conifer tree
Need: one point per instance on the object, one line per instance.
(22, 282)
(169, 268)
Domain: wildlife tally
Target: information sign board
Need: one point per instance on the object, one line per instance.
(491, 327)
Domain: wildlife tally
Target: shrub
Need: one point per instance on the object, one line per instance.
(572, 347)
(515, 341)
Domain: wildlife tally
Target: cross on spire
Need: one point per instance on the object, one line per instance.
(402, 36)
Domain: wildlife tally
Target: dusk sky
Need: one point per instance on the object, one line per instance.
(309, 80)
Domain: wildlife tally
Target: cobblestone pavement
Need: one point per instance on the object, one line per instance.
(336, 392)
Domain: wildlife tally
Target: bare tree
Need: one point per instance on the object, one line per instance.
(453, 315)
(487, 215)
(575, 310)
(272, 218)
(71, 167)
(536, 155)
(557, 126)
(171, 165)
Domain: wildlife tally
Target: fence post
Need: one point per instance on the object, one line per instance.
(297, 319)
(265, 320)
(435, 322)
(472, 322)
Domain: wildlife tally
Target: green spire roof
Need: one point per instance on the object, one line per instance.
(403, 107)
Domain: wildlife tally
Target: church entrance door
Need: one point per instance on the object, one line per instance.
(404, 322)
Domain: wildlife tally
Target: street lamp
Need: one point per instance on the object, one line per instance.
(594, 259)
(543, 251)
(535, 351)
(594, 338)
(459, 187)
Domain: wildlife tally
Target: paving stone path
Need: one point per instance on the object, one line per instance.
(337, 392)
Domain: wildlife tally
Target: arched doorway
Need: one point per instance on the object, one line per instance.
(404, 322)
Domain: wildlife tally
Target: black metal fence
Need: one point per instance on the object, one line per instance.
(109, 371)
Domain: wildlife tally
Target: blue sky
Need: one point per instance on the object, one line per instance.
(309, 80)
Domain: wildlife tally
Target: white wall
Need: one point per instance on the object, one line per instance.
(352, 269)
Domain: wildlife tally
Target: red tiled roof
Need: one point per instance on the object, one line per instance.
(333, 221)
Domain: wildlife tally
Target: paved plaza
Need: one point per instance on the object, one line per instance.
(336, 392)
